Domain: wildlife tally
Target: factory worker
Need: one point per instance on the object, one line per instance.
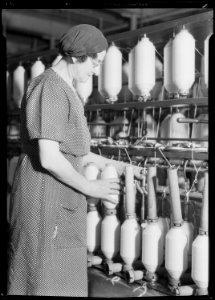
(47, 242)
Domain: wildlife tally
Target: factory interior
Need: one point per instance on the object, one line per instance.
(148, 107)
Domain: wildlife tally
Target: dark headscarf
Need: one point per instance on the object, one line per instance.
(82, 40)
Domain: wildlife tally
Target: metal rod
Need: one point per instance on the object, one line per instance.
(189, 120)
(180, 168)
(192, 195)
(174, 139)
(32, 56)
(168, 26)
(129, 128)
(149, 104)
(147, 152)
(152, 138)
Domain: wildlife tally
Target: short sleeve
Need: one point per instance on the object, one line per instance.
(47, 110)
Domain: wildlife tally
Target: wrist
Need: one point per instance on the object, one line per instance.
(87, 187)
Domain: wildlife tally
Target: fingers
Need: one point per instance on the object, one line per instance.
(114, 192)
(139, 177)
(115, 186)
(138, 173)
(113, 180)
(111, 200)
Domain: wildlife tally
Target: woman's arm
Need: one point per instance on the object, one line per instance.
(54, 161)
(101, 161)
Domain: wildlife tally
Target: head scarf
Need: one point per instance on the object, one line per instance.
(83, 39)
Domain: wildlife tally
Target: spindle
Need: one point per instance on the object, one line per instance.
(110, 77)
(141, 78)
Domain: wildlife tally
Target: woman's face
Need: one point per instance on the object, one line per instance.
(83, 70)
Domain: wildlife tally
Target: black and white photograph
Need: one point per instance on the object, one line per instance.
(107, 138)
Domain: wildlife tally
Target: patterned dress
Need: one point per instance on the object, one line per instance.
(47, 246)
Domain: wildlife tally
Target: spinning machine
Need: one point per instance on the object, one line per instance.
(160, 250)
(157, 234)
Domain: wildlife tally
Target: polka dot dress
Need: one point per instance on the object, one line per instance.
(47, 248)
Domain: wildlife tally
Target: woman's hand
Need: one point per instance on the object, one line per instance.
(105, 189)
(138, 176)
(138, 172)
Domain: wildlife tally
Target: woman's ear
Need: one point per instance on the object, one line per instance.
(74, 59)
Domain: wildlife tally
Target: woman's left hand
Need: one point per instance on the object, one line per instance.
(138, 172)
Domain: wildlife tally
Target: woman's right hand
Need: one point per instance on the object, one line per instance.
(104, 189)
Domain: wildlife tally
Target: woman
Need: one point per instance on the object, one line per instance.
(47, 253)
